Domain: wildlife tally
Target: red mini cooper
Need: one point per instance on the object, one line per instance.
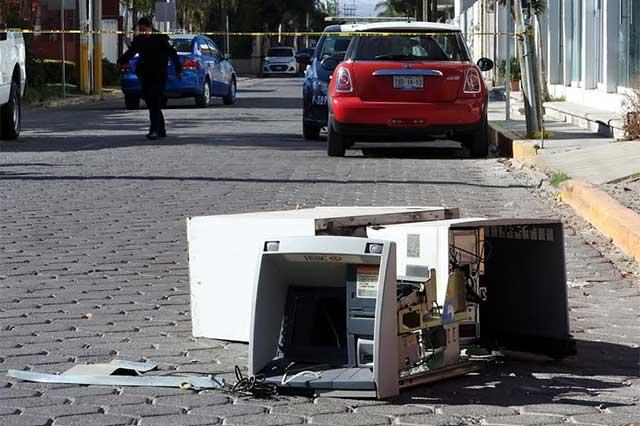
(411, 81)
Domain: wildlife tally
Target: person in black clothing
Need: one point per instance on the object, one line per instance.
(155, 51)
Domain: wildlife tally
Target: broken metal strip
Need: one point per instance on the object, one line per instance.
(151, 381)
(132, 365)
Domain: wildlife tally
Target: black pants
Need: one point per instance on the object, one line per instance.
(153, 91)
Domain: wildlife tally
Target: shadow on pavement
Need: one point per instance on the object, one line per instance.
(256, 90)
(41, 177)
(63, 137)
(590, 378)
(37, 143)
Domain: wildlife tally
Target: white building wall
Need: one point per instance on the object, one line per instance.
(586, 91)
(110, 40)
(557, 27)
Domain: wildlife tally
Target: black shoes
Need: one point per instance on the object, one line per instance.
(152, 136)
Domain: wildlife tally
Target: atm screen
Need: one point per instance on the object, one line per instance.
(315, 326)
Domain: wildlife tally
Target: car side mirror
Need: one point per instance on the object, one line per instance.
(329, 63)
(303, 58)
(485, 64)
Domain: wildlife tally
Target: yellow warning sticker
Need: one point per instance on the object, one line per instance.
(367, 281)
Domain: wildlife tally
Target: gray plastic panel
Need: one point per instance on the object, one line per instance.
(355, 378)
(338, 378)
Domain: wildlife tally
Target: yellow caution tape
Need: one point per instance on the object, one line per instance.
(260, 34)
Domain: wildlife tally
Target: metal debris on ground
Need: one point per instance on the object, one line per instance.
(118, 373)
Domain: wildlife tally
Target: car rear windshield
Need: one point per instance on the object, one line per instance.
(427, 47)
(280, 52)
(183, 45)
(335, 46)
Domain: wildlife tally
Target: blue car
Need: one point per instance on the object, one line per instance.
(206, 73)
(332, 44)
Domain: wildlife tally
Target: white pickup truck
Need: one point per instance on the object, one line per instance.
(12, 82)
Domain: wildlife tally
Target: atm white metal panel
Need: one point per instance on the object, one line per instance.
(224, 251)
(422, 244)
(268, 300)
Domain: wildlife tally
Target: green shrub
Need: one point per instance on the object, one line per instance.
(515, 69)
(557, 178)
(43, 72)
(548, 134)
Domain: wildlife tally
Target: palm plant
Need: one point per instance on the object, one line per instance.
(386, 8)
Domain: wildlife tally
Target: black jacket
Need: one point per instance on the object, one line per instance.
(155, 51)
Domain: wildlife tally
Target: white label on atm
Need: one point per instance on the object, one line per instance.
(367, 282)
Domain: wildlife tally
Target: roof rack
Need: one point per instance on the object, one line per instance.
(365, 19)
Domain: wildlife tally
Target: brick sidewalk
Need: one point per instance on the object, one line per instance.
(93, 221)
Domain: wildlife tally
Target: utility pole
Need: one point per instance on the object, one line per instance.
(306, 29)
(97, 47)
(84, 48)
(63, 53)
(227, 47)
(507, 63)
(528, 67)
(531, 55)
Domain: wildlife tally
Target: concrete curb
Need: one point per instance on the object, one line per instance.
(106, 95)
(597, 207)
(511, 145)
(77, 100)
(610, 217)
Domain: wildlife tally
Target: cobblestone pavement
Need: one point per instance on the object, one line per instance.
(627, 192)
(92, 220)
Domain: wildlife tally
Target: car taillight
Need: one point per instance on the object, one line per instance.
(473, 81)
(343, 81)
(190, 64)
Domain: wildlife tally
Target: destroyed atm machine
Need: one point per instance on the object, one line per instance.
(408, 305)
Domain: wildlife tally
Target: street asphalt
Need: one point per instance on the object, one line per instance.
(93, 266)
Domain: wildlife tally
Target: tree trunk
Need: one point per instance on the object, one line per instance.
(543, 61)
(517, 17)
(529, 70)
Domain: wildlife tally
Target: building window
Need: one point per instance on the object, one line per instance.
(629, 41)
(576, 40)
(600, 32)
(561, 39)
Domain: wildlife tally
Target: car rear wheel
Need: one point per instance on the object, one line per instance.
(311, 132)
(478, 141)
(11, 115)
(202, 101)
(131, 102)
(230, 98)
(336, 143)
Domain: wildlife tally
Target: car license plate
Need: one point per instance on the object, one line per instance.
(411, 82)
(319, 100)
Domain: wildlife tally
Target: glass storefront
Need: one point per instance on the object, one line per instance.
(629, 42)
(576, 40)
(599, 41)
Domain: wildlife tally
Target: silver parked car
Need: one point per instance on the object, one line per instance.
(280, 61)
